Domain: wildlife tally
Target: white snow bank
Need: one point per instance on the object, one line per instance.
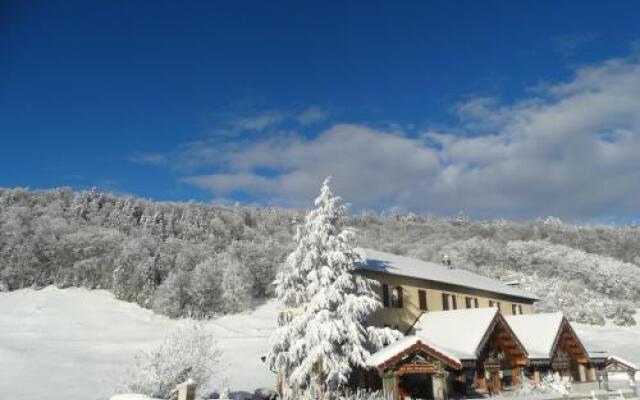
(131, 397)
(74, 343)
(621, 341)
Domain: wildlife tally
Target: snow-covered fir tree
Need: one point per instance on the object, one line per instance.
(322, 334)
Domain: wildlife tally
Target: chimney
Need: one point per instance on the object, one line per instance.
(446, 260)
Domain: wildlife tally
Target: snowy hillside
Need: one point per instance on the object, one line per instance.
(186, 259)
(63, 344)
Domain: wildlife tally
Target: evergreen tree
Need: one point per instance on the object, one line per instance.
(321, 336)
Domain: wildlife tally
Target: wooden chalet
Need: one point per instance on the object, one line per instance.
(414, 367)
(466, 350)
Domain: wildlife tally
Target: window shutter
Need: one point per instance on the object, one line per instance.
(476, 302)
(455, 303)
(385, 295)
(400, 304)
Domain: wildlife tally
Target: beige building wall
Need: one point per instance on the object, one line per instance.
(403, 318)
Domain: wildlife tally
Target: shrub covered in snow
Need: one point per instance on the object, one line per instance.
(526, 388)
(554, 383)
(188, 352)
(621, 314)
(365, 395)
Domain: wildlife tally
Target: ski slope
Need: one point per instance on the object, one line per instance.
(74, 343)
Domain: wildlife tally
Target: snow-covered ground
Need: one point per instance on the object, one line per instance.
(623, 341)
(73, 343)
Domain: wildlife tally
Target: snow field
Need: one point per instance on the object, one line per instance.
(75, 343)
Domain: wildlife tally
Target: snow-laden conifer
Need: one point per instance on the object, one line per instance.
(322, 334)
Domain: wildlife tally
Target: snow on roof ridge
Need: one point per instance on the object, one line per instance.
(375, 260)
(387, 352)
(540, 314)
(623, 362)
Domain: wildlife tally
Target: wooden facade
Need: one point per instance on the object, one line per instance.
(423, 371)
(567, 357)
(499, 352)
(418, 371)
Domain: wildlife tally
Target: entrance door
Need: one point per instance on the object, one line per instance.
(417, 386)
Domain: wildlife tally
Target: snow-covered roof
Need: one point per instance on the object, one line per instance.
(621, 361)
(387, 353)
(537, 332)
(379, 261)
(458, 332)
(392, 349)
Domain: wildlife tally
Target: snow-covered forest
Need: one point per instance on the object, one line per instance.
(201, 260)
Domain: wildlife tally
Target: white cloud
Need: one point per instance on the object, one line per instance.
(364, 162)
(149, 158)
(259, 122)
(570, 150)
(312, 115)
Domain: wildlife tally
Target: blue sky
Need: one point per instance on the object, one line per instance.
(500, 109)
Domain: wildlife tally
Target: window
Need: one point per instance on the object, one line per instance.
(471, 302)
(449, 302)
(392, 296)
(494, 304)
(422, 299)
(445, 301)
(514, 309)
(385, 295)
(398, 297)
